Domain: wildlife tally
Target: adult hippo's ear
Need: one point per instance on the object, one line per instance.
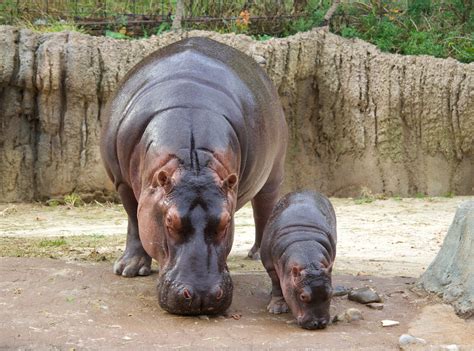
(162, 179)
(230, 182)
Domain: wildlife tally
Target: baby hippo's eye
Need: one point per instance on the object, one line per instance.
(305, 297)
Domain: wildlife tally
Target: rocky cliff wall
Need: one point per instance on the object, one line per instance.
(395, 124)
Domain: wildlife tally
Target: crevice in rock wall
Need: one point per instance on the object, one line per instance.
(357, 117)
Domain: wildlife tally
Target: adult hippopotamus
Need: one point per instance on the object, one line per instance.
(298, 252)
(193, 132)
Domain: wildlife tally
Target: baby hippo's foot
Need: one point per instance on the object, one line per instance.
(254, 253)
(133, 263)
(277, 305)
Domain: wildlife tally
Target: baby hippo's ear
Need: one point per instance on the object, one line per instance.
(296, 273)
(230, 182)
(162, 179)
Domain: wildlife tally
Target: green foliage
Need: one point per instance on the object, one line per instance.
(418, 27)
(422, 43)
(442, 28)
(52, 242)
(416, 8)
(348, 32)
(115, 35)
(262, 37)
(314, 17)
(163, 27)
(49, 25)
(73, 200)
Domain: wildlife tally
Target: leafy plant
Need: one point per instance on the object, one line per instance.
(116, 35)
(163, 27)
(73, 200)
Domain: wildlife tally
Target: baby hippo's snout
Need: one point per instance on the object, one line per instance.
(195, 299)
(312, 323)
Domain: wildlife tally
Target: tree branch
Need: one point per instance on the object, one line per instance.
(330, 13)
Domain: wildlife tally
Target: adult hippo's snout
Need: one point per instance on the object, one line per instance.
(194, 298)
(191, 283)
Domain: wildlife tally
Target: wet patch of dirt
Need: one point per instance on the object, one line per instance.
(57, 304)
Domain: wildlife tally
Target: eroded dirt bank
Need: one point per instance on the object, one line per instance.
(358, 117)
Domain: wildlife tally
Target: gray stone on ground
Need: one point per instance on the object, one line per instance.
(340, 290)
(451, 274)
(364, 295)
(350, 315)
(375, 305)
(409, 342)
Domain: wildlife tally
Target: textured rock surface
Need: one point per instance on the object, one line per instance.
(358, 117)
(451, 274)
(364, 295)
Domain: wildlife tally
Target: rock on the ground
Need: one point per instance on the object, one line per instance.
(364, 295)
(375, 305)
(340, 290)
(451, 274)
(389, 323)
(350, 315)
(407, 341)
(451, 347)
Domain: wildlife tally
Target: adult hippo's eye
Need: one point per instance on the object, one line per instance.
(224, 222)
(172, 222)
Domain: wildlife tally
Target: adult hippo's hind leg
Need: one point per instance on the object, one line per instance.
(135, 261)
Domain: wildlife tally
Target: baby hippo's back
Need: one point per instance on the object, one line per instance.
(300, 216)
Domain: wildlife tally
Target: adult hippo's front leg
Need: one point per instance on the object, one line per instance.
(134, 261)
(263, 203)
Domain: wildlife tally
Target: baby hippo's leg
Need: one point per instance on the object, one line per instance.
(277, 304)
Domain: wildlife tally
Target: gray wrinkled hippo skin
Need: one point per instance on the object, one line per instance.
(193, 132)
(298, 252)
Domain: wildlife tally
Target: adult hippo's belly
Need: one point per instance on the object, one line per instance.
(193, 132)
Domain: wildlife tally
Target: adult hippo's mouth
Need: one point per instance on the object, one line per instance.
(195, 298)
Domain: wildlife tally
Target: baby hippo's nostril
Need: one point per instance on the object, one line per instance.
(187, 294)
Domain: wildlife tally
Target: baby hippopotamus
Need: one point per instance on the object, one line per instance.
(298, 251)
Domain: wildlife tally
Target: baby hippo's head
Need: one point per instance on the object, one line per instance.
(308, 291)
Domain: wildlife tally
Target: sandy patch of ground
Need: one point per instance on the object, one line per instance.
(385, 237)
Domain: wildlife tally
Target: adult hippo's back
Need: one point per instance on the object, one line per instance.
(193, 132)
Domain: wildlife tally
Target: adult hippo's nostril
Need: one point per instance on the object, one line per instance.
(220, 293)
(187, 294)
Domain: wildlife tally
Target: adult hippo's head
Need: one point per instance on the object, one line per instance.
(185, 220)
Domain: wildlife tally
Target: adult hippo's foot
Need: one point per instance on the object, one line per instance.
(133, 263)
(277, 305)
(254, 253)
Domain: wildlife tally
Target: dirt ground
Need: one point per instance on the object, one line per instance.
(75, 302)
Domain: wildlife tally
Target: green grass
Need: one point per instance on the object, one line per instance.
(440, 28)
(52, 242)
(82, 247)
